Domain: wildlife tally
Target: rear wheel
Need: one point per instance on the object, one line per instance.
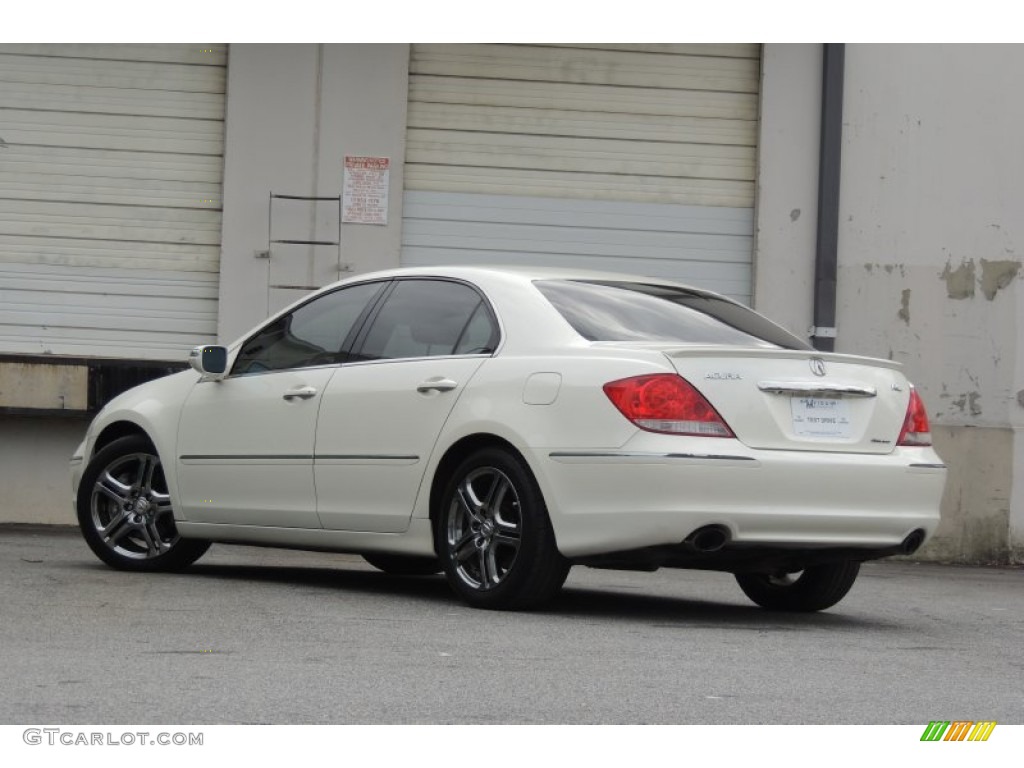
(812, 589)
(124, 510)
(494, 537)
(403, 565)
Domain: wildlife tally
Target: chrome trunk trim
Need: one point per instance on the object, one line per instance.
(818, 388)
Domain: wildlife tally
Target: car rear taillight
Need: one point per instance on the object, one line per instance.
(916, 430)
(665, 402)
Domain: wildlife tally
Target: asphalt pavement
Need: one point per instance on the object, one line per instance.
(251, 635)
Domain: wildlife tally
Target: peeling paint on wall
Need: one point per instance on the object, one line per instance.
(959, 281)
(996, 275)
(969, 402)
(889, 268)
(972, 403)
(904, 313)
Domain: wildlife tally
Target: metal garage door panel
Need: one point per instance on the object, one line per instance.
(582, 155)
(209, 53)
(591, 186)
(706, 247)
(681, 70)
(182, 258)
(733, 50)
(114, 101)
(113, 132)
(104, 73)
(636, 158)
(153, 315)
(110, 198)
(560, 122)
(139, 224)
(582, 98)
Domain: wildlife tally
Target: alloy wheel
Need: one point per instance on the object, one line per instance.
(131, 508)
(485, 528)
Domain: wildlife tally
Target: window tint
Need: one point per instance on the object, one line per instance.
(311, 335)
(623, 311)
(480, 335)
(426, 318)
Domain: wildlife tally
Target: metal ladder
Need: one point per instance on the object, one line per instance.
(279, 241)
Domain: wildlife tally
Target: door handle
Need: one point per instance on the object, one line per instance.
(302, 393)
(437, 384)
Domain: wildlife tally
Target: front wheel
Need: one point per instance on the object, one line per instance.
(124, 510)
(494, 537)
(812, 589)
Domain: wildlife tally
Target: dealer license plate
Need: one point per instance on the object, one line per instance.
(823, 417)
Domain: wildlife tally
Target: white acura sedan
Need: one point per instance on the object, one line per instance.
(501, 425)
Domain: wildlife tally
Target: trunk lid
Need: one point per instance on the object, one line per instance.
(799, 400)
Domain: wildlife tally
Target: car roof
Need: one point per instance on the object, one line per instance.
(520, 274)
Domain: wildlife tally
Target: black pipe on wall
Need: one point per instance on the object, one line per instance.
(830, 162)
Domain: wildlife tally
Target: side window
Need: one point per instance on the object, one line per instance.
(311, 335)
(426, 318)
(480, 335)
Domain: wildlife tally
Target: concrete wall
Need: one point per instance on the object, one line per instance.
(35, 476)
(293, 113)
(930, 255)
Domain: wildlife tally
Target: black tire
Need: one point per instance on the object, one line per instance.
(403, 565)
(124, 510)
(494, 537)
(812, 589)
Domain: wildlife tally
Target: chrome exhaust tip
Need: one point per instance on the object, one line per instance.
(913, 542)
(710, 538)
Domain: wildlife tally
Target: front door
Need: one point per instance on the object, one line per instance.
(245, 444)
(245, 449)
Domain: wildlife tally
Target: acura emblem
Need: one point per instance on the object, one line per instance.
(817, 366)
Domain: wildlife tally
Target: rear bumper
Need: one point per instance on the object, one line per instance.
(656, 492)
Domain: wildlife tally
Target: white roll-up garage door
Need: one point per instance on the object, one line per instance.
(635, 158)
(111, 161)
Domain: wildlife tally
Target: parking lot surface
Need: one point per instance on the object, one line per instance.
(252, 635)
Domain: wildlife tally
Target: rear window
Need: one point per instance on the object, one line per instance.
(624, 311)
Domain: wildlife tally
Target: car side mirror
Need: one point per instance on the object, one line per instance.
(210, 361)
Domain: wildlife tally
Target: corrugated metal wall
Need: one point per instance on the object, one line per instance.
(632, 158)
(111, 164)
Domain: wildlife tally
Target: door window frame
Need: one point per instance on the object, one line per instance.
(347, 343)
(497, 333)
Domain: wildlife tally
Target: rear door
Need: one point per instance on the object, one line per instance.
(382, 413)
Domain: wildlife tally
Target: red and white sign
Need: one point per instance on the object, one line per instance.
(365, 196)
